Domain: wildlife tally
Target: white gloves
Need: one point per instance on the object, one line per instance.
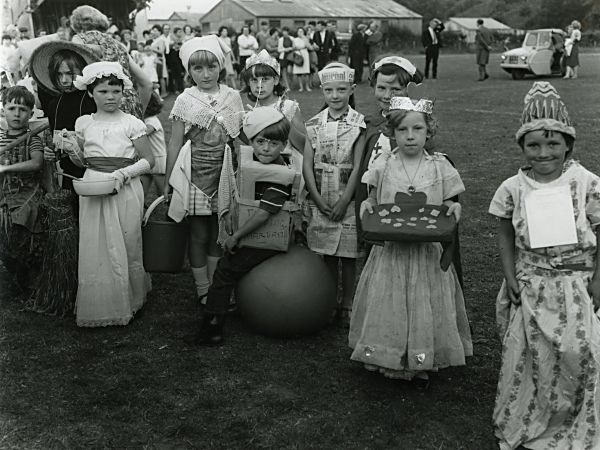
(67, 142)
(126, 174)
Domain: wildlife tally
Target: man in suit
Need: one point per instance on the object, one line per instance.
(324, 41)
(357, 51)
(374, 41)
(483, 42)
(432, 43)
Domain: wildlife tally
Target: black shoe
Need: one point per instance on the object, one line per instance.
(210, 332)
(486, 76)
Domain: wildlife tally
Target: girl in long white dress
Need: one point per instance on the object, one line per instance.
(408, 315)
(112, 281)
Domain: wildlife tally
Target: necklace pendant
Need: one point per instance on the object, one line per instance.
(411, 189)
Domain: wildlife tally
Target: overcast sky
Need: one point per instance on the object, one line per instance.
(161, 9)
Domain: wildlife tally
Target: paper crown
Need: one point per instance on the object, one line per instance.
(336, 72)
(544, 110)
(101, 69)
(263, 57)
(260, 118)
(397, 61)
(407, 104)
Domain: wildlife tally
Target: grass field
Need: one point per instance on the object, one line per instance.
(140, 387)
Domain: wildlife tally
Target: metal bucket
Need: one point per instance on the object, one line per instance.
(164, 242)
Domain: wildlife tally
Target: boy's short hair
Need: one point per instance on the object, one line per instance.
(395, 118)
(569, 140)
(112, 81)
(19, 95)
(279, 131)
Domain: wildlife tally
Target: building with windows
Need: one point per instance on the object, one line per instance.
(297, 13)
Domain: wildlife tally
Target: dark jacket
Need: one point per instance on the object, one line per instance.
(426, 38)
(325, 47)
(357, 48)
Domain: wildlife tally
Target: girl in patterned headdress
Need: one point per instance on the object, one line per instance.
(549, 388)
(207, 117)
(332, 155)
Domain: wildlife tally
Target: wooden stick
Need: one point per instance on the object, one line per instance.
(23, 138)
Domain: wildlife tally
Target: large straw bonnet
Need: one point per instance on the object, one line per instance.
(40, 59)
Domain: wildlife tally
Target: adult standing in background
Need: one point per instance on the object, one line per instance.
(357, 51)
(572, 50)
(286, 49)
(176, 70)
(90, 26)
(272, 45)
(374, 43)
(188, 33)
(158, 47)
(247, 44)
(263, 35)
(483, 43)
(302, 71)
(335, 46)
(432, 43)
(323, 41)
(127, 40)
(230, 74)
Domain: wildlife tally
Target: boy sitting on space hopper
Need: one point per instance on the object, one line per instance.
(267, 130)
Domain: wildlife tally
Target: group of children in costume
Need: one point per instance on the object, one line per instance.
(407, 316)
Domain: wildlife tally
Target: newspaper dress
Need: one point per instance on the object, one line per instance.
(333, 143)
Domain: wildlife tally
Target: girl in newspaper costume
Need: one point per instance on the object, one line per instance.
(549, 387)
(332, 155)
(206, 117)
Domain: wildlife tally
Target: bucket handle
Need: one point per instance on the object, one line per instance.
(151, 209)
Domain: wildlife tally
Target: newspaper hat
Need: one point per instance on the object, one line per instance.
(210, 43)
(418, 100)
(263, 57)
(336, 72)
(544, 110)
(101, 69)
(260, 118)
(39, 64)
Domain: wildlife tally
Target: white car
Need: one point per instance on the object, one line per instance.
(540, 54)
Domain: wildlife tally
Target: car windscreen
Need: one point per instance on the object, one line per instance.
(531, 40)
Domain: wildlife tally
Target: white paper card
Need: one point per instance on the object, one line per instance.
(550, 217)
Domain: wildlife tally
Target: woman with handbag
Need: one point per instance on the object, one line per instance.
(286, 55)
(301, 61)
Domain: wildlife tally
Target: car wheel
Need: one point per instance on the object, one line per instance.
(518, 74)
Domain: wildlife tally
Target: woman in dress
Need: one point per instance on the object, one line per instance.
(302, 71)
(230, 75)
(90, 26)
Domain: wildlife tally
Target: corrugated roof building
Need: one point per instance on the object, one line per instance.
(468, 26)
(297, 13)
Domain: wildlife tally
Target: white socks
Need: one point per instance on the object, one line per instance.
(200, 275)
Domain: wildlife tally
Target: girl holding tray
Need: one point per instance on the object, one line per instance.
(549, 388)
(409, 315)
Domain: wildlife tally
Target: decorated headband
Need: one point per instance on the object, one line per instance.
(403, 63)
(336, 72)
(101, 69)
(263, 58)
(407, 104)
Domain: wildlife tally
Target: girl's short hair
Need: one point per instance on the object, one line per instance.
(300, 28)
(569, 140)
(74, 61)
(112, 81)
(272, 31)
(278, 131)
(19, 95)
(576, 24)
(154, 105)
(221, 28)
(203, 58)
(187, 26)
(261, 70)
(87, 18)
(395, 118)
(403, 76)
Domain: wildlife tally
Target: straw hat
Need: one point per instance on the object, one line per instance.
(40, 60)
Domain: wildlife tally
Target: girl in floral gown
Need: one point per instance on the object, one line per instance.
(548, 393)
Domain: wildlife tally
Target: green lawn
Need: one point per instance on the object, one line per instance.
(140, 387)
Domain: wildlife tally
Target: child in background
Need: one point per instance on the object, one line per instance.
(332, 155)
(209, 115)
(268, 130)
(263, 88)
(21, 238)
(548, 391)
(156, 136)
(409, 315)
(149, 61)
(112, 280)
